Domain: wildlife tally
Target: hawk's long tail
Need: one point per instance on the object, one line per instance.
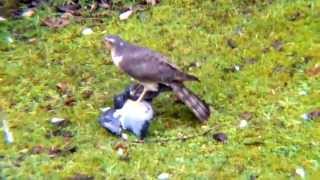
(198, 106)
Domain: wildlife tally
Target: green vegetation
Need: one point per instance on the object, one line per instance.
(273, 43)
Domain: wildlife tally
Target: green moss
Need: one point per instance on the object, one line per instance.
(268, 84)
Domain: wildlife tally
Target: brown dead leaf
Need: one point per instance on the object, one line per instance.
(55, 152)
(314, 114)
(70, 101)
(246, 115)
(62, 87)
(37, 149)
(56, 23)
(278, 45)
(87, 93)
(314, 71)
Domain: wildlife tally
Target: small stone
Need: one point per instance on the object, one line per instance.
(220, 137)
(86, 31)
(164, 176)
(126, 15)
(243, 124)
(300, 172)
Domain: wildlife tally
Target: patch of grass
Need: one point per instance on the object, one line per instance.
(275, 43)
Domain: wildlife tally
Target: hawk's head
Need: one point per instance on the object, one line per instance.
(113, 41)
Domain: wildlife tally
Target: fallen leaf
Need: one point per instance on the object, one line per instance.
(314, 71)
(70, 101)
(87, 93)
(278, 45)
(37, 149)
(246, 115)
(62, 87)
(57, 22)
(314, 114)
(54, 151)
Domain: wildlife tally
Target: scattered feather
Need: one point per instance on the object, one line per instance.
(243, 124)
(59, 122)
(126, 15)
(86, 31)
(9, 39)
(7, 133)
(237, 67)
(301, 172)
(28, 13)
(164, 176)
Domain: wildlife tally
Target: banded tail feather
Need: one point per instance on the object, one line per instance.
(198, 107)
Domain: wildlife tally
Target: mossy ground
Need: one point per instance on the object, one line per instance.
(276, 43)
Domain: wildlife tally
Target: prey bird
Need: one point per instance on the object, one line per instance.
(152, 69)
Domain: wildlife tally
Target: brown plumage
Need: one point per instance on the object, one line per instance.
(151, 69)
(199, 108)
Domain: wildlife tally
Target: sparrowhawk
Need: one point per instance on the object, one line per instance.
(151, 69)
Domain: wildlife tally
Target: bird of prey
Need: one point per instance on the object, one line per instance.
(152, 69)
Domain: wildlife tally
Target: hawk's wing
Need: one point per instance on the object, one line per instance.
(149, 66)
